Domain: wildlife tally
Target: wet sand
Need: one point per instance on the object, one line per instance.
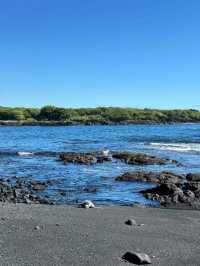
(34, 235)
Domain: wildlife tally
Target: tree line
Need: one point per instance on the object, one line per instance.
(99, 115)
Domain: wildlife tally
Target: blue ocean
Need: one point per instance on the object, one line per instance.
(17, 158)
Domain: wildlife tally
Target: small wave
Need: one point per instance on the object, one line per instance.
(179, 147)
(87, 170)
(24, 153)
(80, 142)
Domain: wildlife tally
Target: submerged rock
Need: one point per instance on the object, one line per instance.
(46, 153)
(35, 185)
(62, 192)
(39, 186)
(90, 189)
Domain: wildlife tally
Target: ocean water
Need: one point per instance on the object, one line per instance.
(180, 142)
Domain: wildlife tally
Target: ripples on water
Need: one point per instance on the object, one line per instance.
(180, 142)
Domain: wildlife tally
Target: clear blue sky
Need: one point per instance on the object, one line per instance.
(140, 53)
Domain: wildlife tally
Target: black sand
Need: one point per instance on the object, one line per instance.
(73, 236)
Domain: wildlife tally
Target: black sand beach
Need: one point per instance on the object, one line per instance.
(34, 235)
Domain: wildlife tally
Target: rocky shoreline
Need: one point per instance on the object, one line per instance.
(21, 190)
(131, 158)
(82, 123)
(170, 190)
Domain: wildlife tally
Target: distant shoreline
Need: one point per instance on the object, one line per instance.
(55, 116)
(73, 123)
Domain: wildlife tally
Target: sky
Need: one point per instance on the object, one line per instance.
(75, 53)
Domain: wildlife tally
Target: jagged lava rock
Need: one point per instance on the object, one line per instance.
(153, 177)
(141, 158)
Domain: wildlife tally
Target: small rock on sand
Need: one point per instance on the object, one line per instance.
(87, 204)
(140, 224)
(130, 222)
(37, 227)
(137, 258)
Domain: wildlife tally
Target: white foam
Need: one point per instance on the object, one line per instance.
(179, 147)
(105, 152)
(24, 153)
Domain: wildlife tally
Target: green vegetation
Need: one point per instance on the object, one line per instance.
(99, 115)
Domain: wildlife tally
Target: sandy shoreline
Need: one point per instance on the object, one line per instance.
(72, 236)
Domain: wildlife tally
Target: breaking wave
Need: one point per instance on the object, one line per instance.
(24, 153)
(179, 147)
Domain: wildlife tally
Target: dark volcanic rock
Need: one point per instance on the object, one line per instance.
(141, 158)
(46, 153)
(51, 182)
(189, 194)
(193, 186)
(137, 258)
(169, 194)
(39, 186)
(62, 192)
(197, 193)
(142, 176)
(130, 222)
(34, 185)
(22, 190)
(193, 177)
(81, 158)
(164, 189)
(84, 158)
(101, 157)
(171, 190)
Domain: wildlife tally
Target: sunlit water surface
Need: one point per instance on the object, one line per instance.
(180, 142)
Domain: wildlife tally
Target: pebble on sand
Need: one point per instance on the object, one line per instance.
(130, 222)
(37, 227)
(137, 258)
